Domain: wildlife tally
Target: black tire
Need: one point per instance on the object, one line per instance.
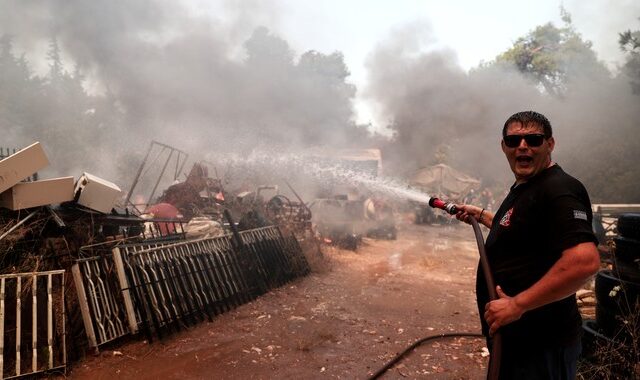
(627, 270)
(629, 225)
(627, 249)
(616, 301)
(627, 259)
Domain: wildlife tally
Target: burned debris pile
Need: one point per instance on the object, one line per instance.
(81, 268)
(197, 195)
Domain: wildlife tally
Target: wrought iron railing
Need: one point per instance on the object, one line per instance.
(157, 289)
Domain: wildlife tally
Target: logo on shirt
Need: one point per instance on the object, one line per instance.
(579, 214)
(506, 219)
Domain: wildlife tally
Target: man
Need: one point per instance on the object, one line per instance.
(541, 250)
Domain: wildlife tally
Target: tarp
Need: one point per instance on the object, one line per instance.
(444, 181)
(367, 161)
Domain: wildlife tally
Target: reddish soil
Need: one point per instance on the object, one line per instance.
(348, 318)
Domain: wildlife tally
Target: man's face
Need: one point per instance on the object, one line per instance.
(527, 161)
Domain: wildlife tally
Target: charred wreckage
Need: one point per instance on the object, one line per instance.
(84, 265)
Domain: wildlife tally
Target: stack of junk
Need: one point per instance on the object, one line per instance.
(610, 338)
(79, 271)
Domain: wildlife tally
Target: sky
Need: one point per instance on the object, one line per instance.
(476, 30)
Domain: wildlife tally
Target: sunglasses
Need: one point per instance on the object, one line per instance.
(533, 140)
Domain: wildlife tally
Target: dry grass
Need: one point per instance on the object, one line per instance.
(618, 358)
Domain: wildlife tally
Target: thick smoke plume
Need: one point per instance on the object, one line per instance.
(160, 70)
(180, 78)
(440, 113)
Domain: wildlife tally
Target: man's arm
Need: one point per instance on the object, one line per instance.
(565, 277)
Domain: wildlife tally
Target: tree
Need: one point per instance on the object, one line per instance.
(630, 43)
(264, 48)
(553, 56)
(307, 102)
(330, 67)
(56, 71)
(326, 98)
(70, 123)
(20, 92)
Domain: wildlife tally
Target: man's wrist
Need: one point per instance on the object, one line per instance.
(520, 303)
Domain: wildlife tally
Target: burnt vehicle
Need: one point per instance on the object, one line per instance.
(335, 221)
(342, 214)
(344, 222)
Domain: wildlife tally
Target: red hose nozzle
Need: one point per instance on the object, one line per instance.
(446, 206)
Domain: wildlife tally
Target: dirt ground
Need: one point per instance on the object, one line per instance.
(345, 320)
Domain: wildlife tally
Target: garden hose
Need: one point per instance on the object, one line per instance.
(496, 341)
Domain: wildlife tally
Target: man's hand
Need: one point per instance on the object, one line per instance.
(465, 212)
(576, 265)
(501, 312)
(468, 211)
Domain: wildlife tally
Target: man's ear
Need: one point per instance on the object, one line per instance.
(504, 148)
(552, 143)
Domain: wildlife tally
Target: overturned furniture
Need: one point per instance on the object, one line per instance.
(96, 193)
(21, 164)
(19, 184)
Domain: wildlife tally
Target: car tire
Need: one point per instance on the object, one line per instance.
(627, 270)
(627, 258)
(627, 249)
(629, 225)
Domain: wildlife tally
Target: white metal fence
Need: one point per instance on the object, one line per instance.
(32, 323)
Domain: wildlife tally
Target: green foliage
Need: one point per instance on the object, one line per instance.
(561, 64)
(553, 56)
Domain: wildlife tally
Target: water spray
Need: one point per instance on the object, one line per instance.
(310, 166)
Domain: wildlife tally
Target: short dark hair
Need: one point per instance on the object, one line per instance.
(529, 117)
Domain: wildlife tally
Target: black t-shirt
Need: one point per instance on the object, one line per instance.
(536, 222)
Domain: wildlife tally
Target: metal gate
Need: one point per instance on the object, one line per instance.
(100, 296)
